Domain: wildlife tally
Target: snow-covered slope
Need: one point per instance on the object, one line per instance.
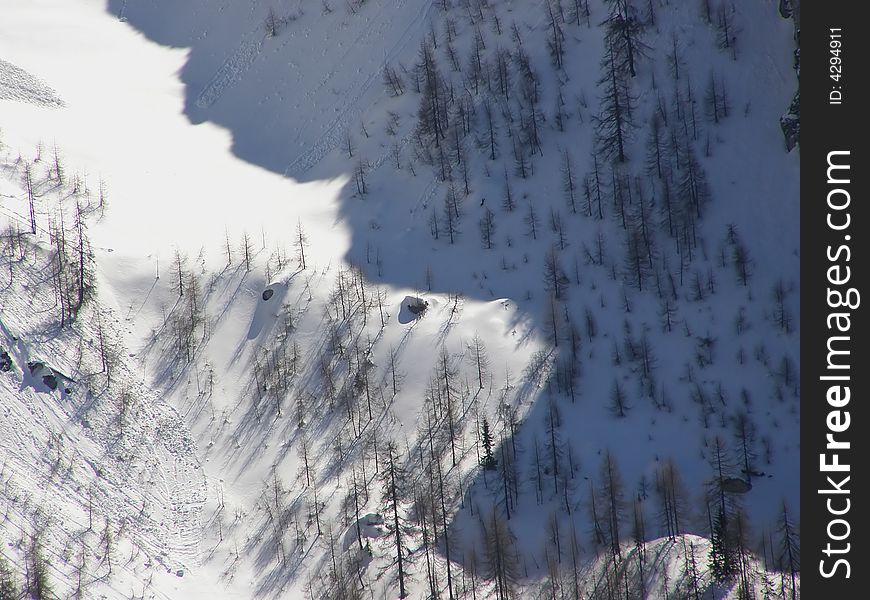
(274, 199)
(96, 466)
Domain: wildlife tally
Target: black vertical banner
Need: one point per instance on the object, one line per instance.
(835, 433)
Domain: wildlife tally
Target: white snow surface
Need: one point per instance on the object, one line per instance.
(205, 129)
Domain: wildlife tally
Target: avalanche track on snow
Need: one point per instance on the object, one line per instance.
(18, 85)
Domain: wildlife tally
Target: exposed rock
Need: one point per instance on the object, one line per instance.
(412, 308)
(791, 123)
(49, 376)
(418, 307)
(50, 381)
(374, 519)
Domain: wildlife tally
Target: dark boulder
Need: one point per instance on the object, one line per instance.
(50, 381)
(418, 307)
(412, 309)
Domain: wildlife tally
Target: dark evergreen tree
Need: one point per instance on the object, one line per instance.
(612, 500)
(744, 434)
(723, 564)
(479, 359)
(28, 186)
(716, 100)
(555, 36)
(569, 181)
(8, 585)
(487, 228)
(618, 401)
(38, 584)
(555, 279)
(491, 133)
(638, 534)
(393, 478)
(721, 511)
(393, 81)
(672, 499)
(553, 444)
(447, 394)
(624, 31)
(450, 221)
(727, 28)
(593, 190)
(740, 257)
(676, 62)
(781, 314)
(508, 200)
(532, 221)
(301, 242)
(579, 10)
(501, 562)
(656, 150)
(789, 551)
(433, 113)
(693, 192)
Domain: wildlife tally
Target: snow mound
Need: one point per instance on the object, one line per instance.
(267, 309)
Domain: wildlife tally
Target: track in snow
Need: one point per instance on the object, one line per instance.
(352, 107)
(20, 86)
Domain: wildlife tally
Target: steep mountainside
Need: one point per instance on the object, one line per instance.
(454, 298)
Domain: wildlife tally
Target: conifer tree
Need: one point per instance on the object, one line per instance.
(789, 550)
(502, 567)
(611, 500)
(8, 586)
(392, 478)
(624, 31)
(613, 123)
(38, 583)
